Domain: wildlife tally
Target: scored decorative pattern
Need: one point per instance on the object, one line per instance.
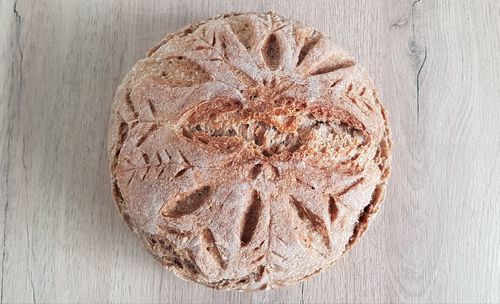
(280, 106)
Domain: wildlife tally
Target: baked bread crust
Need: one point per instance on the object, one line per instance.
(248, 151)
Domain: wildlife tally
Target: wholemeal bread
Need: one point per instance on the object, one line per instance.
(248, 151)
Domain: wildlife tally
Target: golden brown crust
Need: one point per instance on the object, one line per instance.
(248, 151)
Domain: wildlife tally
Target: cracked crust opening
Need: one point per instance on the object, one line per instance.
(248, 151)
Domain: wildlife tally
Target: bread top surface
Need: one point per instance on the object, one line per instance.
(248, 151)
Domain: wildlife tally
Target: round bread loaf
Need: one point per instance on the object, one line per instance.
(248, 151)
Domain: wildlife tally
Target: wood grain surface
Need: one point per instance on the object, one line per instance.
(437, 64)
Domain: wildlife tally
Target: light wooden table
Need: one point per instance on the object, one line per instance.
(437, 64)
